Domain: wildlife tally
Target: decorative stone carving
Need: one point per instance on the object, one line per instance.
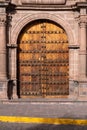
(43, 1)
(38, 2)
(2, 20)
(83, 21)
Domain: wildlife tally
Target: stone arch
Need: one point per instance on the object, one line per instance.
(29, 18)
(42, 44)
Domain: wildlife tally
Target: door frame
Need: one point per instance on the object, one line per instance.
(72, 50)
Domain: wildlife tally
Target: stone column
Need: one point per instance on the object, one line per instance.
(2, 48)
(14, 68)
(3, 75)
(83, 46)
(11, 61)
(83, 56)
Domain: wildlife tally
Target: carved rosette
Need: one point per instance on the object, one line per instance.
(2, 20)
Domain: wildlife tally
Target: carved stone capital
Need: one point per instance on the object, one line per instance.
(83, 21)
(9, 19)
(83, 24)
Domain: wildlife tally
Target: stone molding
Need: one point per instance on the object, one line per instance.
(38, 2)
(29, 18)
(2, 0)
(82, 52)
(74, 46)
(12, 45)
(43, 1)
(83, 21)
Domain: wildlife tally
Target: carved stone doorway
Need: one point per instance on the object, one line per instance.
(43, 60)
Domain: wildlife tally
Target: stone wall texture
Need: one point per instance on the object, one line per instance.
(70, 14)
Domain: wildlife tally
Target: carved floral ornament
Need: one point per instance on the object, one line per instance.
(39, 1)
(2, 20)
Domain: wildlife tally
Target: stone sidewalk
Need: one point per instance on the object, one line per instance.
(65, 110)
(76, 110)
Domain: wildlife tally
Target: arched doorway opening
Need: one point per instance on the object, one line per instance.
(43, 60)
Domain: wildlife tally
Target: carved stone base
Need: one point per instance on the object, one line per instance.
(73, 88)
(83, 89)
(3, 89)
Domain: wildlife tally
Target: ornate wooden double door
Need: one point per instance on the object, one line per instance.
(43, 60)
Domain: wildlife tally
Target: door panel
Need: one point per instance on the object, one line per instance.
(43, 60)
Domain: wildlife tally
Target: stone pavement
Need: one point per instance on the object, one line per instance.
(65, 110)
(15, 126)
(45, 109)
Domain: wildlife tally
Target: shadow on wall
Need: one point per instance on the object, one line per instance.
(10, 89)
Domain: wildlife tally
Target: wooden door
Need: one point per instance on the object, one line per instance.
(43, 60)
